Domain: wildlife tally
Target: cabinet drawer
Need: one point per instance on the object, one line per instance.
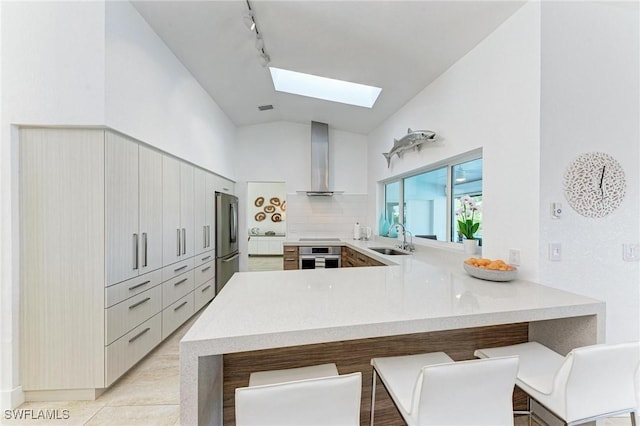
(128, 314)
(290, 263)
(132, 347)
(176, 314)
(204, 273)
(290, 250)
(177, 268)
(177, 287)
(119, 292)
(207, 256)
(203, 294)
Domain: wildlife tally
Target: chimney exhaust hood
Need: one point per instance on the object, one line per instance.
(320, 176)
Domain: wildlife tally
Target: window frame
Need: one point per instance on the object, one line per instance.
(449, 163)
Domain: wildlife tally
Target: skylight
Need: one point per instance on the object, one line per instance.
(328, 89)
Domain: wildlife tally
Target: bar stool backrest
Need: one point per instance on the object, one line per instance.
(600, 379)
(322, 401)
(477, 392)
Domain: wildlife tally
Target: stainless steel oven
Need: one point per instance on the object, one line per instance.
(320, 257)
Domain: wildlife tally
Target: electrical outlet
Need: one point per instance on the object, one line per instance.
(514, 257)
(555, 252)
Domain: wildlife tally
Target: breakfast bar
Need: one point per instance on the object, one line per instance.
(419, 302)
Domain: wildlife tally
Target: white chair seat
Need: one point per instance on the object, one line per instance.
(305, 396)
(432, 389)
(291, 374)
(589, 383)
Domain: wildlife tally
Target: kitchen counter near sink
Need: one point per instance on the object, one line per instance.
(427, 292)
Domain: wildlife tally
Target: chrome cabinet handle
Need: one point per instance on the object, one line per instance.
(178, 241)
(184, 241)
(206, 288)
(180, 282)
(205, 258)
(208, 236)
(144, 249)
(180, 268)
(180, 306)
(139, 285)
(139, 334)
(135, 251)
(135, 305)
(204, 236)
(205, 269)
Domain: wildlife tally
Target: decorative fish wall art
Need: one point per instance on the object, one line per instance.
(412, 140)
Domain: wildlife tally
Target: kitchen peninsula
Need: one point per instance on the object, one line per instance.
(417, 303)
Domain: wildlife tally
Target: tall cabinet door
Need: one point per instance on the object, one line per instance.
(187, 199)
(171, 229)
(199, 213)
(210, 208)
(122, 235)
(150, 206)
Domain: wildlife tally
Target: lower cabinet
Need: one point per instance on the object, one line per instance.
(175, 314)
(290, 257)
(122, 354)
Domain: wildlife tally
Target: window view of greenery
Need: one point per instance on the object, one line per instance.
(427, 202)
(467, 180)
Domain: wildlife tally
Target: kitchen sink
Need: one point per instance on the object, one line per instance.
(388, 251)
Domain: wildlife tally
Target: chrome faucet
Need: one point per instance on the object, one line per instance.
(404, 245)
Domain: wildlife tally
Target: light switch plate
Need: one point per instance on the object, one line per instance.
(555, 252)
(631, 252)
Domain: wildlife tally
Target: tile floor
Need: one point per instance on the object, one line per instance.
(149, 394)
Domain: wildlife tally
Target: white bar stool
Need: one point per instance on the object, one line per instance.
(591, 382)
(427, 389)
(306, 396)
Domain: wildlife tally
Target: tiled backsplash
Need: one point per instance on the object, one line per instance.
(325, 216)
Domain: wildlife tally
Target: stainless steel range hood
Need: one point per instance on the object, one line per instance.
(320, 176)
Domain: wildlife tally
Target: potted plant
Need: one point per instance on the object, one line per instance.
(467, 224)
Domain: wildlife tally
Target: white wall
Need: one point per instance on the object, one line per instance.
(72, 63)
(488, 99)
(591, 102)
(281, 152)
(151, 96)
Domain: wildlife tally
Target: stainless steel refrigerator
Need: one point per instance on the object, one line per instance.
(227, 255)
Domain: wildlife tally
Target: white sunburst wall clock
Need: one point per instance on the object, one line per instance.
(594, 184)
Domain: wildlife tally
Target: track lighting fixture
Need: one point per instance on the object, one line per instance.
(264, 59)
(249, 20)
(259, 43)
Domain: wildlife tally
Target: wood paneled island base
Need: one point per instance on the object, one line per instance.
(355, 355)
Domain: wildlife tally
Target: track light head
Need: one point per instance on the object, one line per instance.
(264, 60)
(248, 20)
(259, 43)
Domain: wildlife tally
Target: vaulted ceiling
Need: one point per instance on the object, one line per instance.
(400, 46)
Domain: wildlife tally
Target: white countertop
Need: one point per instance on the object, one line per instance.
(426, 291)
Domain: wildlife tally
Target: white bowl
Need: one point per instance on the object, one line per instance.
(490, 274)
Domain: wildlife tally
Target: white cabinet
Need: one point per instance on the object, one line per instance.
(62, 259)
(177, 210)
(223, 185)
(259, 245)
(204, 210)
(133, 194)
(107, 256)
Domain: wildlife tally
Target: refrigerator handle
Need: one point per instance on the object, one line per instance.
(233, 222)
